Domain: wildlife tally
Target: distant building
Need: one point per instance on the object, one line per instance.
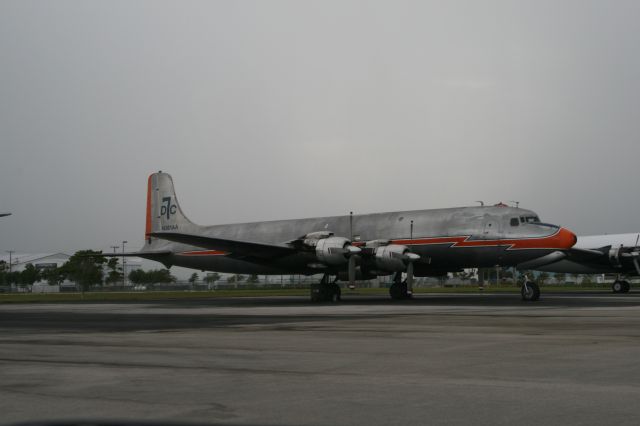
(41, 260)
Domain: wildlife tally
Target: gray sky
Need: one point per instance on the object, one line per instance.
(283, 109)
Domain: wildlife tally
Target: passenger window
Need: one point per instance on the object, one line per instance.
(515, 221)
(521, 219)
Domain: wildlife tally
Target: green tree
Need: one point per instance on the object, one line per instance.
(193, 278)
(253, 279)
(29, 275)
(114, 275)
(85, 268)
(53, 276)
(137, 276)
(154, 276)
(561, 278)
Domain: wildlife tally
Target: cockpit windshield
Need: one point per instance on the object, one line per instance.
(529, 219)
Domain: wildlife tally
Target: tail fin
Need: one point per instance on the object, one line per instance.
(163, 211)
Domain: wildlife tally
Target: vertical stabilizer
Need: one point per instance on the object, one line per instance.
(163, 211)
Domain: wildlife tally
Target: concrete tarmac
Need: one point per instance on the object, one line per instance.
(481, 359)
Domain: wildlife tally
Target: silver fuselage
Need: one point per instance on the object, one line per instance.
(446, 240)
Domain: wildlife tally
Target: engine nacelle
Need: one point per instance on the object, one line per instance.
(391, 258)
(333, 251)
(624, 258)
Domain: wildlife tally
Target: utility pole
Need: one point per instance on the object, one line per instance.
(411, 234)
(123, 265)
(10, 262)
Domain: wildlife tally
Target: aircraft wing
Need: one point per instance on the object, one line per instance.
(585, 255)
(235, 247)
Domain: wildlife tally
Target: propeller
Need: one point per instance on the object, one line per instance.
(351, 252)
(408, 258)
(634, 255)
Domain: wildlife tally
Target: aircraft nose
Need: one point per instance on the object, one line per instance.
(566, 238)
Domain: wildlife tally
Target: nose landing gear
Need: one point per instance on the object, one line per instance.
(530, 291)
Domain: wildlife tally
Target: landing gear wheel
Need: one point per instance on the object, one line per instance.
(626, 286)
(617, 286)
(334, 292)
(530, 292)
(398, 291)
(325, 293)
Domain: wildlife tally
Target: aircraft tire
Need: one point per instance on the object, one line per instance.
(398, 291)
(617, 286)
(315, 293)
(337, 293)
(626, 286)
(532, 294)
(325, 293)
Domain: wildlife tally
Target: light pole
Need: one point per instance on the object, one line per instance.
(123, 266)
(114, 252)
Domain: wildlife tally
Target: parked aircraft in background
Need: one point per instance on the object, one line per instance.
(350, 247)
(602, 254)
(5, 214)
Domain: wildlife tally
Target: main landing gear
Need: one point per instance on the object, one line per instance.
(530, 291)
(325, 291)
(620, 286)
(399, 290)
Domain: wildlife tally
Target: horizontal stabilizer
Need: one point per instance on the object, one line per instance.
(554, 257)
(235, 247)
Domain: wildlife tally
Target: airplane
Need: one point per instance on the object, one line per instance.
(5, 214)
(602, 254)
(415, 243)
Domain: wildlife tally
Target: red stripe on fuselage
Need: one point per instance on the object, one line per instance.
(204, 253)
(562, 240)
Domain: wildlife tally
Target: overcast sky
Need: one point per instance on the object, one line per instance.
(282, 109)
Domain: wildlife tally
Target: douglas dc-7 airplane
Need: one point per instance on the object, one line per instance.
(602, 254)
(417, 243)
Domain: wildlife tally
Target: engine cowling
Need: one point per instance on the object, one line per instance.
(334, 251)
(624, 258)
(392, 258)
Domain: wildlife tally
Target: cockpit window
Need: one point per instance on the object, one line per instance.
(515, 221)
(529, 219)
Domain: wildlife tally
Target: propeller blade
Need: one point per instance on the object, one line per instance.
(352, 270)
(410, 278)
(635, 263)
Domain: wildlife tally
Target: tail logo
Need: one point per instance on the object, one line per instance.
(167, 208)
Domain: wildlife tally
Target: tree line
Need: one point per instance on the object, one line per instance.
(86, 268)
